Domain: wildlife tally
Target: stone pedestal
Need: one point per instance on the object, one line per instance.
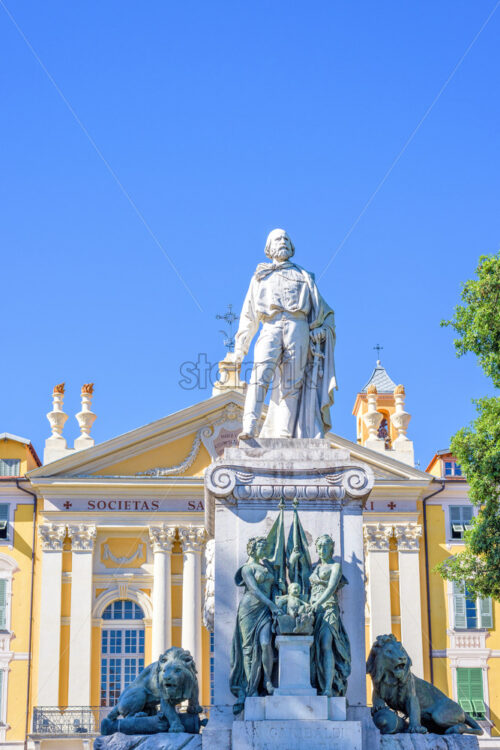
(295, 665)
(243, 490)
(304, 707)
(297, 735)
(161, 741)
(428, 742)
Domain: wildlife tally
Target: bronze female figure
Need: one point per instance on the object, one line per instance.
(331, 652)
(252, 654)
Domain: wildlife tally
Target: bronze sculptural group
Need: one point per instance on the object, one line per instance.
(306, 604)
(148, 704)
(403, 702)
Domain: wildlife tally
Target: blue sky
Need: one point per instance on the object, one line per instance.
(221, 121)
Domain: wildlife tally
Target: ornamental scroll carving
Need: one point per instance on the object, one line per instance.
(231, 413)
(239, 484)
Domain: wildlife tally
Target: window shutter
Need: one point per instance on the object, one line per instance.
(486, 613)
(460, 618)
(10, 467)
(476, 691)
(463, 692)
(3, 603)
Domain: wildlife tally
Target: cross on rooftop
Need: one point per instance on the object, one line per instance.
(230, 317)
(379, 349)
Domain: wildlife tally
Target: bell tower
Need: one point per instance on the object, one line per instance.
(381, 420)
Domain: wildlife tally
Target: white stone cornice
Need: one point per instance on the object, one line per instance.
(162, 537)
(52, 536)
(408, 536)
(377, 536)
(192, 538)
(82, 537)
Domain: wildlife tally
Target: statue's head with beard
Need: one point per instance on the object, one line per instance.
(279, 247)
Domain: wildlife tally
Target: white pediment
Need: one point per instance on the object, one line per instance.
(212, 422)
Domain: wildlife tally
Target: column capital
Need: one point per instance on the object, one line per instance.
(82, 537)
(377, 536)
(162, 537)
(192, 538)
(408, 536)
(52, 536)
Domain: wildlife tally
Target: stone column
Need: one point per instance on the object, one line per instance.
(377, 536)
(408, 536)
(52, 538)
(353, 599)
(80, 634)
(192, 540)
(162, 538)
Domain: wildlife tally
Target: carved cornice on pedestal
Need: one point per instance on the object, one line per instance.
(82, 537)
(162, 537)
(377, 536)
(408, 536)
(52, 536)
(192, 538)
(331, 484)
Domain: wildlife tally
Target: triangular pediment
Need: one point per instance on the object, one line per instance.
(185, 442)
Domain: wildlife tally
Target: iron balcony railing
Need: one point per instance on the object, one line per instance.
(75, 720)
(68, 720)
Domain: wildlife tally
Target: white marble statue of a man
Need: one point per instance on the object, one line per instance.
(294, 350)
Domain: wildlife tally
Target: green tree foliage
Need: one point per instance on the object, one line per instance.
(477, 447)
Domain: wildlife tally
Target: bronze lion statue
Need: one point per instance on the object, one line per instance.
(167, 682)
(395, 687)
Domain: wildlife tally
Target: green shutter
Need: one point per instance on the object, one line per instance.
(485, 613)
(3, 603)
(470, 690)
(476, 691)
(459, 615)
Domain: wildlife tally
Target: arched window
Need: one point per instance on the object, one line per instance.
(383, 432)
(122, 648)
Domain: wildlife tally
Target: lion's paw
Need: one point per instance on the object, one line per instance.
(417, 730)
(176, 727)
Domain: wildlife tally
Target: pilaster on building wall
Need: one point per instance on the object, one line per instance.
(377, 545)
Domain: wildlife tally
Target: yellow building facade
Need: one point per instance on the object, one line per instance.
(17, 532)
(122, 565)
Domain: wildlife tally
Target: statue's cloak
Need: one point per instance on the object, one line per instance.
(316, 396)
